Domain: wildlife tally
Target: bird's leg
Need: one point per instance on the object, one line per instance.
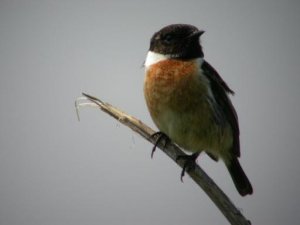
(189, 164)
(160, 136)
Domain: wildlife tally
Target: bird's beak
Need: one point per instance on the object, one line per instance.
(196, 34)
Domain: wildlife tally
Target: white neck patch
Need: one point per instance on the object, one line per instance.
(153, 57)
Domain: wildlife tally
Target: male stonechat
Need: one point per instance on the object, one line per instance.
(188, 100)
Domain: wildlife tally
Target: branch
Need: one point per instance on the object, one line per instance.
(232, 214)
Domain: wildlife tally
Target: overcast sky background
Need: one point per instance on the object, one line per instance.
(55, 170)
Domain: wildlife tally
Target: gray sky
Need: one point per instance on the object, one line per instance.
(56, 170)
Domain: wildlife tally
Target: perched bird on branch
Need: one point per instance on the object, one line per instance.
(188, 100)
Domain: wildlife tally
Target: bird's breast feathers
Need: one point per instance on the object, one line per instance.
(175, 84)
(180, 99)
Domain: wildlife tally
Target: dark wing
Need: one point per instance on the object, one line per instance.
(221, 90)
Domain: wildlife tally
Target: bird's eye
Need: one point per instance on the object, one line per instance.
(168, 38)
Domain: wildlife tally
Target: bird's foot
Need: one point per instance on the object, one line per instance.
(189, 164)
(160, 136)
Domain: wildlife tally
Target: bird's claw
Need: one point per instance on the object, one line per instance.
(189, 164)
(160, 136)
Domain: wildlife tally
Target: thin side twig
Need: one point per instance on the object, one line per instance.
(232, 214)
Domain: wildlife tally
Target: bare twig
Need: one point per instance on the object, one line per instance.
(224, 204)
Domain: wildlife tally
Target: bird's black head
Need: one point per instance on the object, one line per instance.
(179, 41)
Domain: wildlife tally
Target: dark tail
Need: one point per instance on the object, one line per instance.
(239, 178)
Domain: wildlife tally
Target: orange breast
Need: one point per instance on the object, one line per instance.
(177, 94)
(173, 84)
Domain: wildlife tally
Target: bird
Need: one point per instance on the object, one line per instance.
(189, 102)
